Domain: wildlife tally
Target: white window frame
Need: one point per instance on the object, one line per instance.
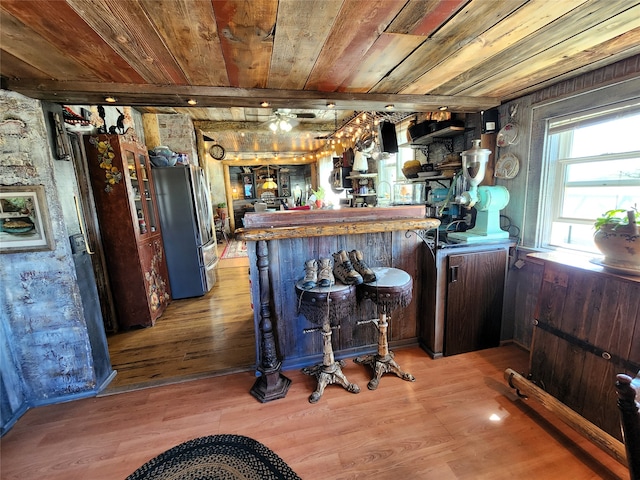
(528, 188)
(556, 162)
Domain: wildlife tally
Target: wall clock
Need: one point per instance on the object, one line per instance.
(216, 151)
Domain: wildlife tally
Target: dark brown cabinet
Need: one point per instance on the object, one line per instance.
(462, 298)
(121, 180)
(474, 301)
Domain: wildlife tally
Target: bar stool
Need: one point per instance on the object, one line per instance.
(391, 289)
(322, 306)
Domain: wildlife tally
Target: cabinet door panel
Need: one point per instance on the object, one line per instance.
(155, 275)
(474, 301)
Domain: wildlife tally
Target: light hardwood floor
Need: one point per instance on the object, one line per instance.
(194, 337)
(458, 420)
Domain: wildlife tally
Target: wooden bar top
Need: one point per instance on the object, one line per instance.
(580, 262)
(346, 221)
(287, 218)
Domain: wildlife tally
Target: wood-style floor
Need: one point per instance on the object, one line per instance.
(194, 337)
(458, 420)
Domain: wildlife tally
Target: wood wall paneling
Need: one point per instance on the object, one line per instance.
(286, 260)
(586, 325)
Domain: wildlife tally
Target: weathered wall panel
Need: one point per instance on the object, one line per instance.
(41, 313)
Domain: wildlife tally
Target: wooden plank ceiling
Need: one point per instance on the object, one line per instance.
(231, 55)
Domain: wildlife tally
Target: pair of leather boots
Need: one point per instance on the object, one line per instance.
(349, 269)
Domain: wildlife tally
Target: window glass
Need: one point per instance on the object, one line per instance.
(593, 166)
(610, 136)
(390, 171)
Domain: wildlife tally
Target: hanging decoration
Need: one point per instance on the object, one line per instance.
(105, 157)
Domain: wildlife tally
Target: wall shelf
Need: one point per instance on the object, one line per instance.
(362, 175)
(439, 135)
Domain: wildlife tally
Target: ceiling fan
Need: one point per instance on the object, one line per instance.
(284, 119)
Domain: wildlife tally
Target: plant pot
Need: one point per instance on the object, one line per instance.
(620, 247)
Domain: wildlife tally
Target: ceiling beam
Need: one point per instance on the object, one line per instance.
(94, 93)
(223, 126)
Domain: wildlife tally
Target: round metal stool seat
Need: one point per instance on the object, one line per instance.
(392, 288)
(336, 301)
(324, 306)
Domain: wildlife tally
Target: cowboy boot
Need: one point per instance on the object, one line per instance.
(310, 274)
(344, 271)
(362, 268)
(325, 273)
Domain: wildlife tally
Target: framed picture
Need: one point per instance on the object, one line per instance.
(248, 187)
(284, 189)
(24, 219)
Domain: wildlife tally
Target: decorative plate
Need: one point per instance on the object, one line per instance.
(507, 166)
(508, 135)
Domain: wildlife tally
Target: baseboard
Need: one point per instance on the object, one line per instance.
(14, 418)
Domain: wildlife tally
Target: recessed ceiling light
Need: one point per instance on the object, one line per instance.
(443, 108)
(110, 99)
(265, 104)
(389, 107)
(331, 105)
(191, 101)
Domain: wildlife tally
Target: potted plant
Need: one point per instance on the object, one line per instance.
(617, 236)
(319, 197)
(221, 210)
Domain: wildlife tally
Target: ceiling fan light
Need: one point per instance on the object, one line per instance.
(285, 126)
(273, 126)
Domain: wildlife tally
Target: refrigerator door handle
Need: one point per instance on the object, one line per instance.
(82, 230)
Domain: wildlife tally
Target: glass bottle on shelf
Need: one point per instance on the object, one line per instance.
(138, 190)
(152, 216)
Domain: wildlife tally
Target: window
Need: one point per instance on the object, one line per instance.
(390, 171)
(593, 165)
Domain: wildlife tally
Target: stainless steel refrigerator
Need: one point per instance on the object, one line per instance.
(186, 221)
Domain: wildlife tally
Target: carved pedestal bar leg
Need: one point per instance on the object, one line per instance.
(383, 361)
(321, 305)
(330, 371)
(392, 289)
(271, 384)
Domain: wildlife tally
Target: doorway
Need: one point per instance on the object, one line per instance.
(194, 338)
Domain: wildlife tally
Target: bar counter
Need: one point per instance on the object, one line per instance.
(279, 243)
